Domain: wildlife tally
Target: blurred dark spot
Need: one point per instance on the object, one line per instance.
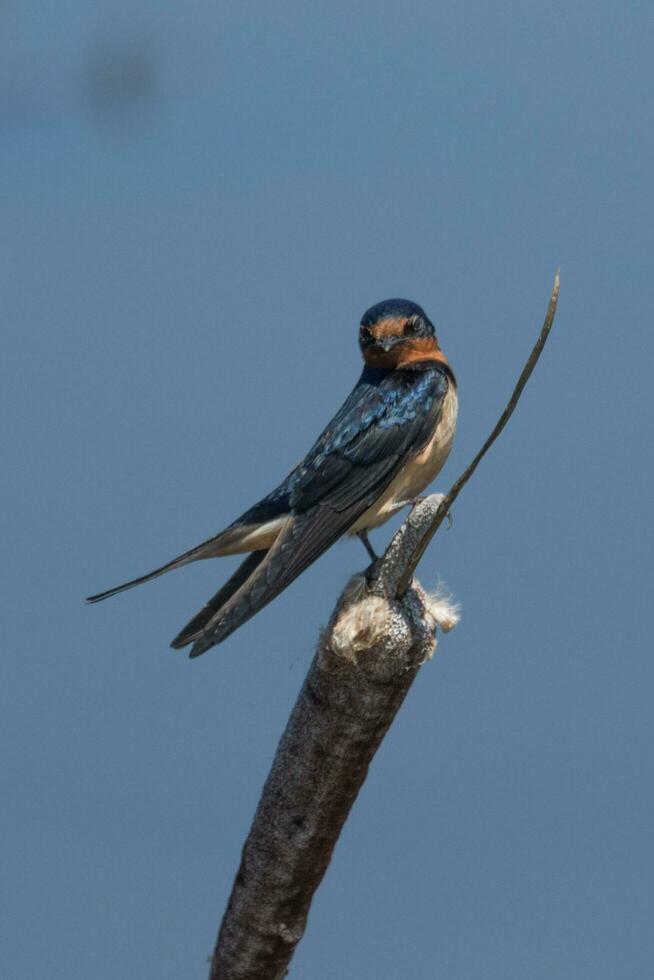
(121, 75)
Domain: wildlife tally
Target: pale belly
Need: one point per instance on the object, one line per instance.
(418, 472)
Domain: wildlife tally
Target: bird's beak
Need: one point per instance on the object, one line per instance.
(389, 342)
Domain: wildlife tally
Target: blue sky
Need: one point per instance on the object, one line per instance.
(182, 271)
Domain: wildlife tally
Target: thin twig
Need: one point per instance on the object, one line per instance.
(381, 632)
(458, 485)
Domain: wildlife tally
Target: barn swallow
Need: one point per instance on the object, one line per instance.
(383, 447)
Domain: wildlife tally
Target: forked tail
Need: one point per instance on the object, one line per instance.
(195, 628)
(204, 550)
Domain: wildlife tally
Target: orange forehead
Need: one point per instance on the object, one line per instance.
(392, 326)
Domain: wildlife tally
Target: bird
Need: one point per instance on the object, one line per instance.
(386, 443)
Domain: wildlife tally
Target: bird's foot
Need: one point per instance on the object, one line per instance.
(365, 541)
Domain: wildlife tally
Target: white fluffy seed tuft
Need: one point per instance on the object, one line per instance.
(363, 625)
(443, 609)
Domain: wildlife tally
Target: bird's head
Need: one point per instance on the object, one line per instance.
(397, 333)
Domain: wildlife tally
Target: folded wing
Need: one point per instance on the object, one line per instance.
(387, 419)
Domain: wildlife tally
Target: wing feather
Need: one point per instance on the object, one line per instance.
(378, 429)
